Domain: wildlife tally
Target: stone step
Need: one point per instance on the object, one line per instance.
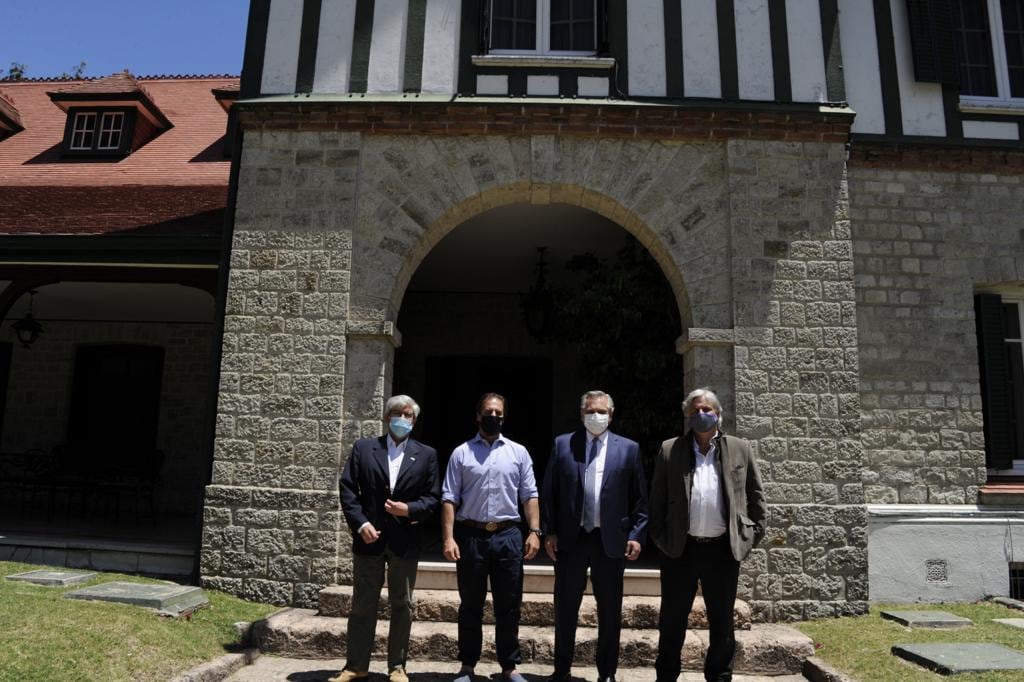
(540, 578)
(442, 606)
(764, 649)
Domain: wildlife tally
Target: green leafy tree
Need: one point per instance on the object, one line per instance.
(623, 320)
(77, 71)
(16, 72)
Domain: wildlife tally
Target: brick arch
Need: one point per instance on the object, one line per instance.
(520, 193)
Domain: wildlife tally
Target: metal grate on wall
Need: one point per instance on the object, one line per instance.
(1017, 579)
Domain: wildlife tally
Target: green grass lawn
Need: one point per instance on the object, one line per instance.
(46, 637)
(861, 647)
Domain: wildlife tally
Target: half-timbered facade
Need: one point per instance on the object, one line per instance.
(831, 190)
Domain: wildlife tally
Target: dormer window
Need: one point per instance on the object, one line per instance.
(99, 131)
(543, 27)
(10, 120)
(112, 116)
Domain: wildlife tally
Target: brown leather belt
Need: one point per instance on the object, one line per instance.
(490, 526)
(703, 540)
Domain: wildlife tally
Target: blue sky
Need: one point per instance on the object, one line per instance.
(147, 38)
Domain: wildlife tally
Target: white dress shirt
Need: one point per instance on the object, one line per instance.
(707, 494)
(396, 453)
(598, 464)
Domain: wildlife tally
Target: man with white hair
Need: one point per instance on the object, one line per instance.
(594, 515)
(389, 486)
(707, 513)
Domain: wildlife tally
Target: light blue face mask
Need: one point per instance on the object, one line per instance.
(702, 422)
(400, 427)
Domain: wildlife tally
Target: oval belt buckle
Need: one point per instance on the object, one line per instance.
(491, 526)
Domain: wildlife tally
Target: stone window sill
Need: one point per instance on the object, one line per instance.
(1011, 107)
(543, 61)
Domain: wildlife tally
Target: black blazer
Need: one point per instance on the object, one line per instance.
(365, 486)
(623, 493)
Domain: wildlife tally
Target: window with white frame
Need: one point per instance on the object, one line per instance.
(83, 130)
(545, 27)
(111, 128)
(989, 43)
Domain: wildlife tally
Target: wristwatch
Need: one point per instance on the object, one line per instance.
(538, 532)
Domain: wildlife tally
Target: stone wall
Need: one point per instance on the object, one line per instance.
(925, 238)
(39, 397)
(796, 376)
(753, 237)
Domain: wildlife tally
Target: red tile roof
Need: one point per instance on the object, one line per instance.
(9, 118)
(117, 84)
(45, 193)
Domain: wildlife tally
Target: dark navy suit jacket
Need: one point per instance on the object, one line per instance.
(365, 485)
(623, 493)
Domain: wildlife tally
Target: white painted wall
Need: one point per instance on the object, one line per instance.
(645, 20)
(806, 53)
(281, 58)
(921, 102)
(754, 50)
(991, 130)
(386, 71)
(976, 545)
(441, 47)
(334, 47)
(492, 85)
(702, 73)
(591, 86)
(860, 65)
(542, 86)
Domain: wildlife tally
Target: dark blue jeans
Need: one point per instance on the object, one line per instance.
(498, 556)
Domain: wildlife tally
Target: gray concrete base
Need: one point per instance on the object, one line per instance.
(219, 668)
(1012, 622)
(951, 659)
(171, 600)
(1009, 603)
(928, 619)
(53, 578)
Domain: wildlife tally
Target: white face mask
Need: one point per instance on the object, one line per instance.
(596, 423)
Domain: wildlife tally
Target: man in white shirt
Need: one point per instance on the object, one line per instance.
(594, 514)
(707, 513)
(389, 485)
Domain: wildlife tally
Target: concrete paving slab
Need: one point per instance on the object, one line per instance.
(273, 669)
(928, 619)
(1012, 622)
(53, 578)
(952, 659)
(171, 600)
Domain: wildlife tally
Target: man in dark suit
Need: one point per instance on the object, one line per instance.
(594, 514)
(707, 513)
(389, 486)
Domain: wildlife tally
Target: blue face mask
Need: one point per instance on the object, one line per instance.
(702, 422)
(400, 427)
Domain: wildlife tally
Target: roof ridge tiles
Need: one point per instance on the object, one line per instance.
(148, 77)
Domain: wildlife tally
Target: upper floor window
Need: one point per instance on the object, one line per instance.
(555, 27)
(99, 132)
(989, 43)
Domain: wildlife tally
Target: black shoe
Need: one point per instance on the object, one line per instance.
(558, 677)
(610, 678)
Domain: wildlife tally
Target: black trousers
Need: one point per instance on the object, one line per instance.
(713, 565)
(570, 583)
(498, 556)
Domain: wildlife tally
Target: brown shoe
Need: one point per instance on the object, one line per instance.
(348, 676)
(398, 675)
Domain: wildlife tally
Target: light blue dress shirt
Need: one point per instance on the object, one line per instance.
(485, 482)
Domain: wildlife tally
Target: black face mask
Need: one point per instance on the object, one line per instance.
(491, 425)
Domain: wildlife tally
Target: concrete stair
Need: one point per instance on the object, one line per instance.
(302, 633)
(537, 577)
(442, 606)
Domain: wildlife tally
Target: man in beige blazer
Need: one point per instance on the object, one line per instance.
(707, 512)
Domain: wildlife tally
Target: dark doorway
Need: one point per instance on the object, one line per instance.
(454, 384)
(115, 404)
(5, 377)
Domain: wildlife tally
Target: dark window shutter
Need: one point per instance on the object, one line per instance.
(932, 40)
(995, 394)
(485, 28)
(603, 48)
